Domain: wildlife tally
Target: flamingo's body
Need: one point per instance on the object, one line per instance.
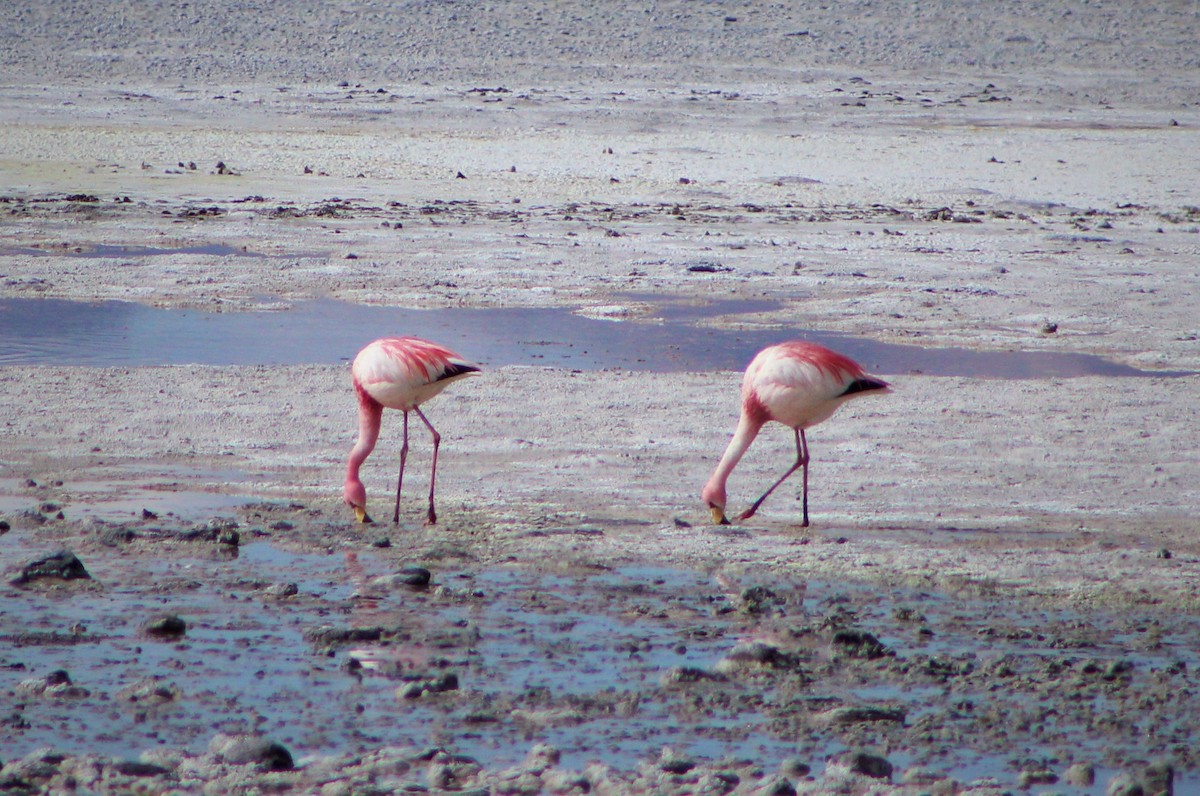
(798, 384)
(397, 373)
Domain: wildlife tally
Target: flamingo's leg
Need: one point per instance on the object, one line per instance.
(801, 463)
(400, 480)
(431, 517)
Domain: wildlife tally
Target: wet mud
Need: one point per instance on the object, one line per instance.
(634, 677)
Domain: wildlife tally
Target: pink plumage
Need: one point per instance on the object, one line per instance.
(397, 373)
(798, 384)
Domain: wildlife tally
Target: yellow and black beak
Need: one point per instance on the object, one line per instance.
(718, 515)
(360, 513)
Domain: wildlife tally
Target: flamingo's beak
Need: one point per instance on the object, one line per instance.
(360, 513)
(718, 515)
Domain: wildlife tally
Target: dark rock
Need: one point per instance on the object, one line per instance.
(1081, 775)
(859, 762)
(151, 691)
(62, 565)
(676, 764)
(757, 655)
(684, 675)
(281, 590)
(414, 576)
(861, 715)
(760, 599)
(132, 768)
(1159, 778)
(860, 644)
(433, 685)
(166, 627)
(1030, 777)
(240, 750)
(779, 786)
(116, 536)
(795, 767)
(329, 636)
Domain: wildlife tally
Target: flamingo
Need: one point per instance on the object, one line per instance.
(798, 384)
(397, 373)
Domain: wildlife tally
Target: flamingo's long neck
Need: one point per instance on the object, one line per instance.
(747, 429)
(370, 418)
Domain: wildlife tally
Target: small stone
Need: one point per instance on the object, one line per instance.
(859, 644)
(1159, 777)
(795, 767)
(779, 786)
(1049, 327)
(755, 655)
(434, 685)
(133, 768)
(1080, 775)
(845, 716)
(1027, 779)
(860, 762)
(414, 576)
(151, 691)
(240, 750)
(62, 565)
(280, 590)
(676, 764)
(541, 757)
(166, 627)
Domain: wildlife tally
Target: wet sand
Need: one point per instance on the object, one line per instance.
(1021, 549)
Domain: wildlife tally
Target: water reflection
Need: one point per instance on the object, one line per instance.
(114, 333)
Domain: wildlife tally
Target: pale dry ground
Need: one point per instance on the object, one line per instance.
(1087, 217)
(832, 157)
(1067, 489)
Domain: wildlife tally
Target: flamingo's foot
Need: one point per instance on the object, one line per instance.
(361, 515)
(718, 515)
(431, 518)
(747, 514)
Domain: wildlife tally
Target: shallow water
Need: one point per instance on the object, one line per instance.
(574, 660)
(114, 333)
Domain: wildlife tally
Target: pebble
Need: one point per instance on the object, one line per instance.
(241, 750)
(433, 685)
(860, 715)
(856, 761)
(859, 644)
(1080, 775)
(167, 627)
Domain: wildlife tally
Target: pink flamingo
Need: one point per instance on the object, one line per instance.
(798, 384)
(397, 373)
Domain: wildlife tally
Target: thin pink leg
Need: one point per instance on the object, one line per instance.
(801, 462)
(400, 480)
(431, 517)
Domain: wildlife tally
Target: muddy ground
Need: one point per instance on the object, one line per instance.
(998, 589)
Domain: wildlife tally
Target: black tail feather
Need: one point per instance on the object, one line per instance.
(455, 369)
(865, 384)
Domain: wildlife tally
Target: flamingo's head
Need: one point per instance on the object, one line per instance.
(714, 496)
(355, 495)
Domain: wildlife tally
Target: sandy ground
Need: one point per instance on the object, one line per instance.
(908, 174)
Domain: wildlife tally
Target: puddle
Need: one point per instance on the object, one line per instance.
(125, 493)
(126, 334)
